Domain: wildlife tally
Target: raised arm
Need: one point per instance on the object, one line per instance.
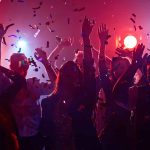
(2, 33)
(126, 80)
(13, 89)
(52, 58)
(88, 65)
(41, 56)
(103, 70)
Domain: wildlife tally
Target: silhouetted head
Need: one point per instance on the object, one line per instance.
(119, 66)
(19, 63)
(69, 77)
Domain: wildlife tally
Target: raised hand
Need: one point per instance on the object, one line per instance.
(3, 31)
(40, 55)
(123, 52)
(137, 54)
(65, 43)
(103, 34)
(87, 27)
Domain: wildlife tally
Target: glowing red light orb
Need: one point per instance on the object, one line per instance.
(130, 41)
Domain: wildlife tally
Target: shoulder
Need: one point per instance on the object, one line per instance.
(50, 100)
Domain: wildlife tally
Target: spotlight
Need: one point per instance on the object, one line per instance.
(22, 44)
(130, 41)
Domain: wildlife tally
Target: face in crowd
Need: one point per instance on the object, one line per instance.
(19, 64)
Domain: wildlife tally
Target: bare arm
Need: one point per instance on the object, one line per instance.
(103, 70)
(41, 56)
(88, 65)
(125, 81)
(2, 33)
(52, 58)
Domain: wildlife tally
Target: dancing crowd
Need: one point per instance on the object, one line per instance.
(93, 102)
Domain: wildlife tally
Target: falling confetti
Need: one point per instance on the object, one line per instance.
(56, 57)
(59, 39)
(79, 9)
(12, 36)
(132, 20)
(4, 41)
(36, 70)
(36, 34)
(68, 20)
(19, 50)
(32, 62)
(7, 60)
(47, 44)
(140, 27)
(134, 15)
(43, 75)
(134, 27)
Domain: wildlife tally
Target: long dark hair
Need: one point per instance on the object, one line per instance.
(67, 69)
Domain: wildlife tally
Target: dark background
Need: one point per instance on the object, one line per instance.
(115, 13)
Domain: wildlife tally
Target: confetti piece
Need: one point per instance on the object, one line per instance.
(140, 27)
(36, 70)
(132, 20)
(134, 27)
(68, 20)
(32, 62)
(134, 15)
(41, 3)
(109, 36)
(7, 59)
(56, 57)
(4, 41)
(33, 26)
(43, 75)
(47, 45)
(47, 23)
(79, 9)
(148, 49)
(51, 30)
(37, 7)
(17, 31)
(19, 50)
(12, 36)
(59, 39)
(36, 34)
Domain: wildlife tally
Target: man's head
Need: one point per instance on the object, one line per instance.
(19, 63)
